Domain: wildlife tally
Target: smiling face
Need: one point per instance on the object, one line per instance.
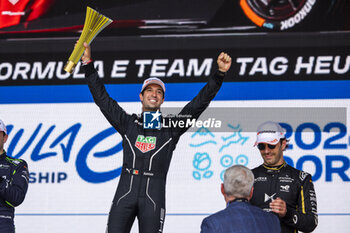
(273, 157)
(152, 98)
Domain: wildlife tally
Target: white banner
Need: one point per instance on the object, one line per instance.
(74, 158)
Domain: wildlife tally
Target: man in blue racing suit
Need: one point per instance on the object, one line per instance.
(146, 152)
(14, 178)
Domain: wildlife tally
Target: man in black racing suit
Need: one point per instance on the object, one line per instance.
(14, 178)
(280, 188)
(146, 152)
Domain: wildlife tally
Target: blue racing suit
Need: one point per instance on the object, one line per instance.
(14, 179)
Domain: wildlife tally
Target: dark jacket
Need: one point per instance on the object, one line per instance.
(241, 217)
(293, 186)
(13, 185)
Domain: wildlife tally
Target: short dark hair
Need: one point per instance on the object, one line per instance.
(287, 143)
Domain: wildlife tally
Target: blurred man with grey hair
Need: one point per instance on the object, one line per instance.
(239, 215)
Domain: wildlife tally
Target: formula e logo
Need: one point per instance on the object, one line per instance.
(145, 144)
(269, 198)
(151, 120)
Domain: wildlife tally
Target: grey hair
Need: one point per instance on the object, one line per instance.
(238, 181)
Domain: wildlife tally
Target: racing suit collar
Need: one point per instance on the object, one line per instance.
(274, 168)
(3, 154)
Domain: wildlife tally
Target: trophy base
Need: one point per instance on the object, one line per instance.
(69, 67)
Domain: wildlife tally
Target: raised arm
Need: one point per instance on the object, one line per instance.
(199, 103)
(108, 106)
(224, 62)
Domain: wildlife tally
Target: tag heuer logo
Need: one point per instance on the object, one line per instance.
(145, 144)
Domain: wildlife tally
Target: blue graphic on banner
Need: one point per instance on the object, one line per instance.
(236, 134)
(81, 160)
(82, 168)
(227, 161)
(333, 164)
(36, 155)
(202, 161)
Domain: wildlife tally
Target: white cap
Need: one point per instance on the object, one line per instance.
(3, 127)
(153, 81)
(269, 132)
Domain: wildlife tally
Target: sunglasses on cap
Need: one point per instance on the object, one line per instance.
(262, 146)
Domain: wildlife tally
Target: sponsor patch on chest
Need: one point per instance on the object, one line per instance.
(4, 166)
(145, 144)
(260, 179)
(286, 179)
(285, 188)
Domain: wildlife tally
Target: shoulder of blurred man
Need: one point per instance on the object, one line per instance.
(235, 216)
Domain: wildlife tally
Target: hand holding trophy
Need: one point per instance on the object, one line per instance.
(94, 24)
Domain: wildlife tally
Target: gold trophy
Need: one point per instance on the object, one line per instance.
(94, 24)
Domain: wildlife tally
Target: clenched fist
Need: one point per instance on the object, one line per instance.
(224, 62)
